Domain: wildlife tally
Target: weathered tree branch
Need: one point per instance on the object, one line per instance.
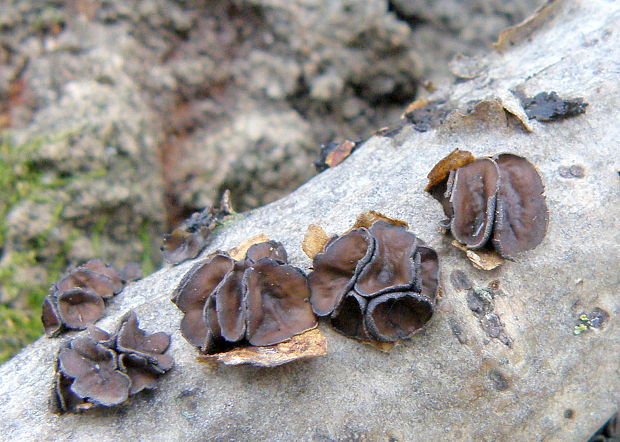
(453, 381)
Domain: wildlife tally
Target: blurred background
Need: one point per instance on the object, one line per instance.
(120, 118)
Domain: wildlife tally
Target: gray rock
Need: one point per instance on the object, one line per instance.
(450, 382)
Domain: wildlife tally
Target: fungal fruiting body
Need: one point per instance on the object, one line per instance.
(494, 201)
(376, 283)
(191, 237)
(99, 369)
(78, 299)
(259, 300)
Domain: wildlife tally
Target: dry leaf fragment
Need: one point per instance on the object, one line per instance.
(455, 159)
(238, 253)
(333, 154)
(314, 240)
(385, 347)
(417, 104)
(368, 218)
(481, 259)
(306, 345)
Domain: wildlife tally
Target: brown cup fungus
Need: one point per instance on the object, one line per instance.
(258, 300)
(192, 235)
(98, 369)
(376, 283)
(495, 201)
(77, 300)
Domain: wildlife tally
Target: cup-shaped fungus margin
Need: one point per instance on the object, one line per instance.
(378, 282)
(96, 369)
(494, 202)
(77, 300)
(237, 303)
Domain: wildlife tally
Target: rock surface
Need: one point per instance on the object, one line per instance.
(456, 380)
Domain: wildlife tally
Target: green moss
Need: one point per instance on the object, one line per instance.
(17, 329)
(230, 221)
(146, 260)
(24, 179)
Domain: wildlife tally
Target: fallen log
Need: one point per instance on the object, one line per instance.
(547, 374)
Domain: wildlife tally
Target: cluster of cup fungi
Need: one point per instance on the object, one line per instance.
(78, 299)
(96, 369)
(493, 202)
(259, 300)
(377, 283)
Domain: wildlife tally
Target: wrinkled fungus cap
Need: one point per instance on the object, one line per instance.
(99, 369)
(521, 215)
(276, 302)
(266, 249)
(428, 271)
(139, 371)
(499, 199)
(77, 299)
(397, 315)
(134, 340)
(79, 308)
(229, 299)
(89, 280)
(193, 292)
(258, 300)
(181, 245)
(390, 290)
(391, 267)
(100, 267)
(349, 318)
(337, 267)
(230, 294)
(50, 317)
(473, 199)
(93, 368)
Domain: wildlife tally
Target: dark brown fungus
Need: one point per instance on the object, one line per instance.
(390, 294)
(230, 293)
(336, 268)
(266, 249)
(349, 318)
(193, 291)
(391, 267)
(131, 272)
(521, 217)
(66, 399)
(87, 279)
(78, 308)
(473, 199)
(131, 339)
(98, 369)
(428, 271)
(277, 306)
(181, 245)
(191, 237)
(214, 341)
(95, 378)
(499, 198)
(229, 299)
(50, 317)
(100, 267)
(397, 315)
(139, 371)
(77, 299)
(258, 300)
